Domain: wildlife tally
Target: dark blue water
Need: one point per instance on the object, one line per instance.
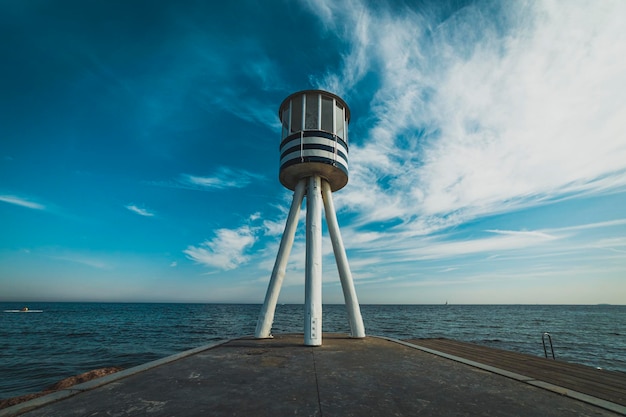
(38, 349)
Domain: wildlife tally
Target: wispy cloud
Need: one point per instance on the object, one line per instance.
(224, 178)
(247, 108)
(138, 210)
(415, 258)
(502, 241)
(20, 201)
(80, 258)
(611, 223)
(492, 110)
(523, 234)
(226, 250)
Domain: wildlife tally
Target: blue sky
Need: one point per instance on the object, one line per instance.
(139, 149)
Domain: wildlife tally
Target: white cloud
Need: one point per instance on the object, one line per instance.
(523, 234)
(611, 224)
(224, 178)
(502, 241)
(139, 210)
(254, 216)
(617, 244)
(487, 112)
(274, 228)
(19, 201)
(536, 121)
(226, 250)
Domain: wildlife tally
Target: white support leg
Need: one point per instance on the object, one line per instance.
(313, 272)
(266, 317)
(347, 284)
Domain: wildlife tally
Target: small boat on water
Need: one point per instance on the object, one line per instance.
(23, 310)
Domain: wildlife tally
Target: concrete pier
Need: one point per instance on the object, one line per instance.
(280, 377)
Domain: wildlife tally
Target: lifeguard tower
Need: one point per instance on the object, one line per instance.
(313, 162)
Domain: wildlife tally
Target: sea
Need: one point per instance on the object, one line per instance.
(60, 340)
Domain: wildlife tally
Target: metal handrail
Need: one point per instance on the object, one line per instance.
(543, 340)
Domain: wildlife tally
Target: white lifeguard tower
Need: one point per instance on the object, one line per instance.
(313, 162)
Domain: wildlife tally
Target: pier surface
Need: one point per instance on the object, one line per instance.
(598, 383)
(343, 377)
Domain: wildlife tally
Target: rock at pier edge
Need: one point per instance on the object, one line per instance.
(62, 384)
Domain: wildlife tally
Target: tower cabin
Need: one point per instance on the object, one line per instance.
(314, 138)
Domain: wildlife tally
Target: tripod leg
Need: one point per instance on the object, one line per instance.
(266, 317)
(313, 267)
(347, 284)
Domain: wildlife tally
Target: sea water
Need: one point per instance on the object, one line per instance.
(66, 339)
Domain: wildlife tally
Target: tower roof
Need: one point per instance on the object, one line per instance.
(326, 93)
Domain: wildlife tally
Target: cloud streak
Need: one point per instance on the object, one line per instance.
(82, 259)
(140, 211)
(22, 202)
(502, 241)
(224, 178)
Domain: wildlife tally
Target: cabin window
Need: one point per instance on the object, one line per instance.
(327, 114)
(296, 114)
(339, 121)
(285, 119)
(312, 112)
